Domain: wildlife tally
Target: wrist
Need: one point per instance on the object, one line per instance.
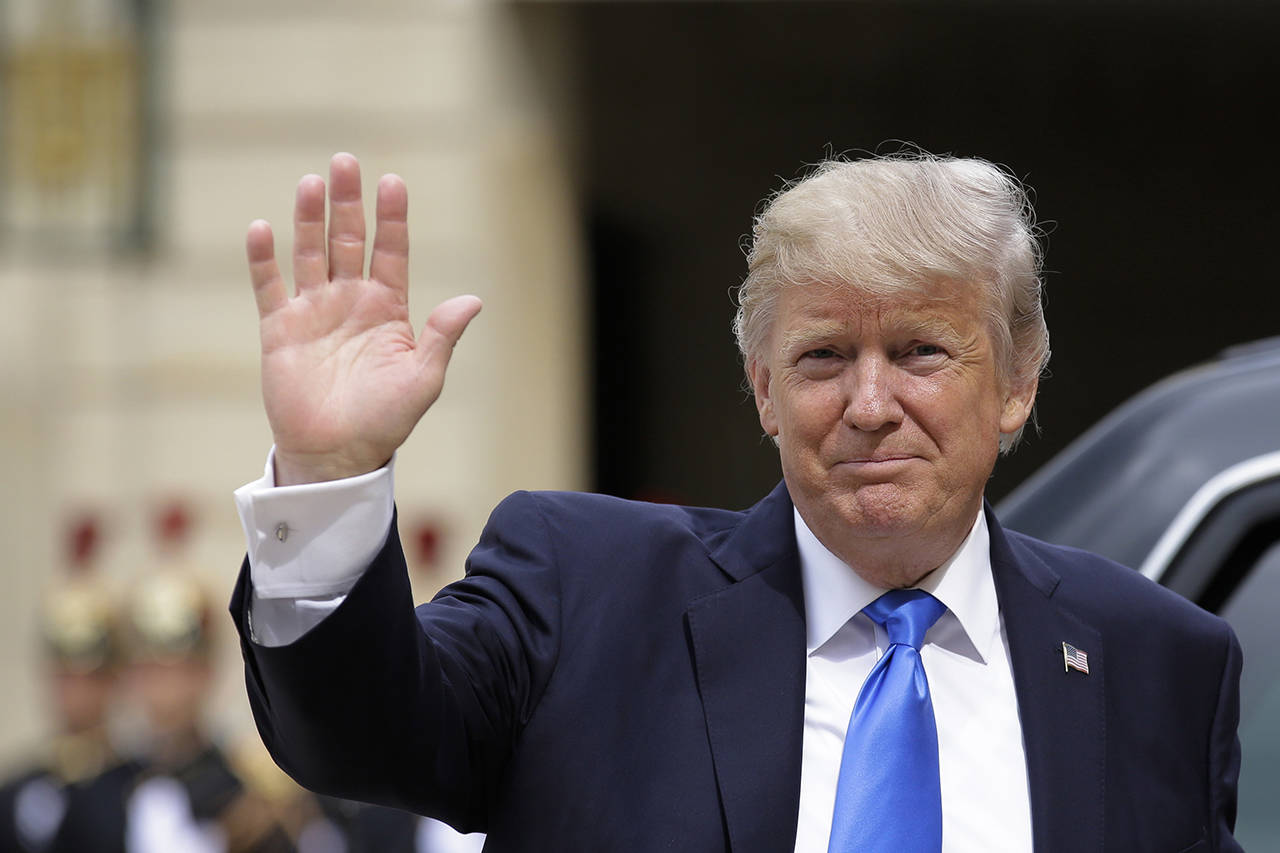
(296, 469)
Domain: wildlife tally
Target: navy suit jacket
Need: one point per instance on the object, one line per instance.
(615, 676)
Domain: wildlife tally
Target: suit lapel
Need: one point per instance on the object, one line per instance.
(749, 654)
(1063, 712)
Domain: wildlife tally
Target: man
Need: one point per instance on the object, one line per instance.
(73, 797)
(188, 796)
(621, 676)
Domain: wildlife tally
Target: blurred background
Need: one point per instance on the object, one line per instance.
(591, 170)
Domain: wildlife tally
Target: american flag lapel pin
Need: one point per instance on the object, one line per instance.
(1073, 658)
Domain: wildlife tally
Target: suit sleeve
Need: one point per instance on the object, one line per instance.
(1224, 753)
(416, 710)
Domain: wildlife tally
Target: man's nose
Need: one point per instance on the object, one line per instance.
(872, 400)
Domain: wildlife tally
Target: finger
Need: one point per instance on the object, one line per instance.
(310, 268)
(268, 288)
(389, 263)
(346, 218)
(445, 326)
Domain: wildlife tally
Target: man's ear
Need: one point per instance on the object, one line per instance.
(1018, 404)
(759, 374)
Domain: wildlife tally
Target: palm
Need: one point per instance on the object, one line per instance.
(332, 358)
(344, 378)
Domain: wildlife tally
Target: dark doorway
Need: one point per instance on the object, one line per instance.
(1139, 126)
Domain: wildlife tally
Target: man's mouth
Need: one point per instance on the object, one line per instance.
(877, 463)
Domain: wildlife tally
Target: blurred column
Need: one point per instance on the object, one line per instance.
(128, 335)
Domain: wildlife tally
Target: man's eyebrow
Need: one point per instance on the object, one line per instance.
(934, 326)
(810, 334)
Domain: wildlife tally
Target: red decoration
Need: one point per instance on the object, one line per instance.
(83, 537)
(428, 542)
(172, 523)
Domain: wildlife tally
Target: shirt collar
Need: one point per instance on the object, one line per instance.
(834, 593)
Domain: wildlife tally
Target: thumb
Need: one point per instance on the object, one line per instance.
(445, 326)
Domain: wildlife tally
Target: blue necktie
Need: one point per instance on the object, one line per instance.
(888, 797)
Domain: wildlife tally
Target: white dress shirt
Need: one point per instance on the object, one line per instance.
(985, 798)
(308, 545)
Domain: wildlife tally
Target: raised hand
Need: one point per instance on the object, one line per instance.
(344, 378)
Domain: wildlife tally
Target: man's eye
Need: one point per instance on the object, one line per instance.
(926, 350)
(820, 353)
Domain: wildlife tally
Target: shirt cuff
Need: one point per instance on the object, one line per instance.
(314, 539)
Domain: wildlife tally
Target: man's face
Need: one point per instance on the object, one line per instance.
(888, 413)
(81, 699)
(171, 693)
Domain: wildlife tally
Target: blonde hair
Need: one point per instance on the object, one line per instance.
(897, 223)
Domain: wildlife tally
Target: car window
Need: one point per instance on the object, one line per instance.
(1251, 611)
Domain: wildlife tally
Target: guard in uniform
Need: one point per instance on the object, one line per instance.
(72, 798)
(196, 797)
(188, 797)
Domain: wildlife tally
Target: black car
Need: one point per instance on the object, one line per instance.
(1182, 482)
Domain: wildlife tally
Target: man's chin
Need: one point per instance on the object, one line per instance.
(874, 511)
(876, 527)
(887, 513)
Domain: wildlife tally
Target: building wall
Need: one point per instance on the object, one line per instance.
(130, 380)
